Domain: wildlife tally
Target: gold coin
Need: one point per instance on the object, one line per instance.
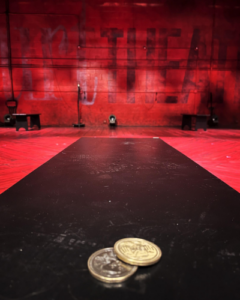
(105, 266)
(137, 252)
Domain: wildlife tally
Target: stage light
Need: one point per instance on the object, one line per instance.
(7, 118)
(112, 120)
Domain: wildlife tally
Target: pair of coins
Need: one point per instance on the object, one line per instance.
(116, 264)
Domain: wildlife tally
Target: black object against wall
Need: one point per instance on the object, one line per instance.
(201, 121)
(22, 122)
(79, 124)
(213, 121)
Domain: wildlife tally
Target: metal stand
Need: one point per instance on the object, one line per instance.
(9, 119)
(79, 124)
(213, 121)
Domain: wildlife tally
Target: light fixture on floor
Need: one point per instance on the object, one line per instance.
(112, 120)
(79, 124)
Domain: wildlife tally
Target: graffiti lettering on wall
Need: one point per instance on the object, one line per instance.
(46, 41)
(164, 34)
(4, 62)
(112, 34)
(151, 44)
(188, 83)
(81, 55)
(237, 84)
(131, 65)
(157, 41)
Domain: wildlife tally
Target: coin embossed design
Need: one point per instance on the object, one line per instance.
(137, 252)
(105, 266)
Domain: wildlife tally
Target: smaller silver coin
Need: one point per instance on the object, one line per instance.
(105, 266)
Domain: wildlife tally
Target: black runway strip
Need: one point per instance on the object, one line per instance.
(100, 190)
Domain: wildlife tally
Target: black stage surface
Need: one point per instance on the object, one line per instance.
(100, 190)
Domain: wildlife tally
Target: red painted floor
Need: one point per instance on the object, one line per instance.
(218, 151)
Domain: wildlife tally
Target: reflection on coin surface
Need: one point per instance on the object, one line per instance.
(137, 252)
(105, 266)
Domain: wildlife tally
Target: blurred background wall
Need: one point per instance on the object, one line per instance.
(147, 61)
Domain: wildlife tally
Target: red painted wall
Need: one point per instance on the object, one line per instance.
(145, 61)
